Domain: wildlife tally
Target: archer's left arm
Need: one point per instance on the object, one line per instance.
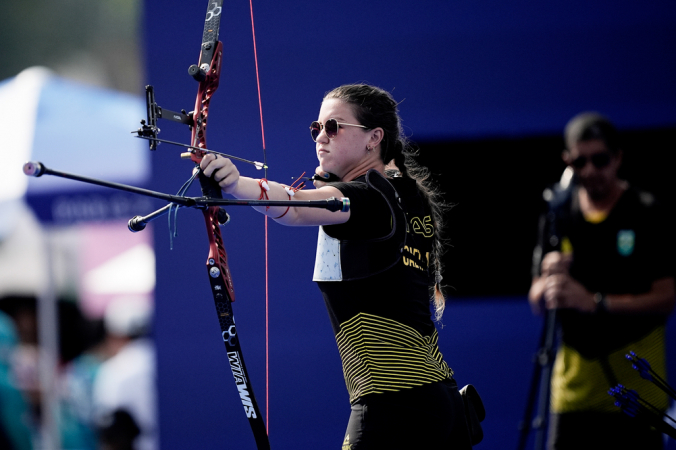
(230, 181)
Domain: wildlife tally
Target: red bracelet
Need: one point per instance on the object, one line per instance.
(287, 209)
(265, 187)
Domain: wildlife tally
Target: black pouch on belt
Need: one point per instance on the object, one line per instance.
(474, 412)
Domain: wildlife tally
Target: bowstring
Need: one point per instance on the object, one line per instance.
(265, 168)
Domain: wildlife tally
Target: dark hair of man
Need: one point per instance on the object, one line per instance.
(373, 108)
(588, 126)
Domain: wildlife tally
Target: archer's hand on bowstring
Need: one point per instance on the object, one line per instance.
(322, 177)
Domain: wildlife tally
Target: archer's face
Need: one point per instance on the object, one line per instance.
(348, 148)
(595, 166)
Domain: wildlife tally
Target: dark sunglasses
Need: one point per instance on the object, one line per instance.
(598, 160)
(330, 127)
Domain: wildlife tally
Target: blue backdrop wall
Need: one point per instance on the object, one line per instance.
(461, 70)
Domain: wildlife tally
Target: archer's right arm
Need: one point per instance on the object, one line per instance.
(228, 178)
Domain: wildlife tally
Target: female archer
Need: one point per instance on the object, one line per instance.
(377, 266)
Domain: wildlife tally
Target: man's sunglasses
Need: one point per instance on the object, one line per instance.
(598, 160)
(331, 127)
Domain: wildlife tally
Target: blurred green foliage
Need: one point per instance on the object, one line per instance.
(96, 42)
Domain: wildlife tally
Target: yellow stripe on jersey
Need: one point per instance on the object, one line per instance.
(381, 355)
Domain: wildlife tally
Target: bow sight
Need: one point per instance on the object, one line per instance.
(149, 129)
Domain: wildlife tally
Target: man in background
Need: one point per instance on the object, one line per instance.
(604, 263)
